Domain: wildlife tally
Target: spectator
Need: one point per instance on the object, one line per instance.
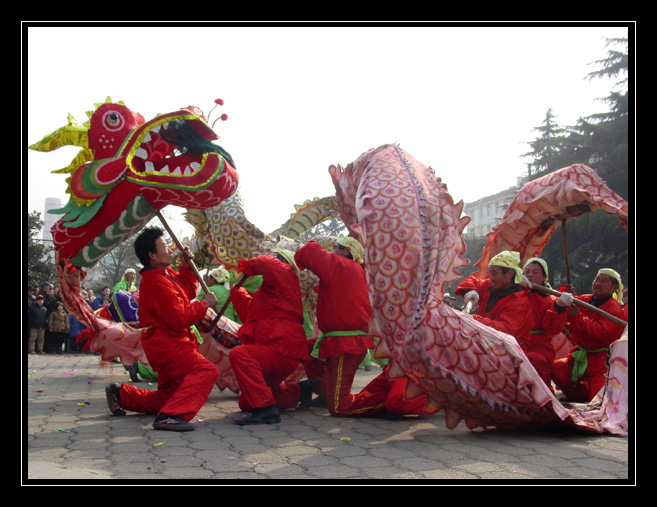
(49, 302)
(98, 302)
(37, 322)
(30, 296)
(58, 327)
(74, 328)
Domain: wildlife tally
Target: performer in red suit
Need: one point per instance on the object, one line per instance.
(582, 373)
(550, 314)
(167, 308)
(343, 315)
(503, 303)
(272, 336)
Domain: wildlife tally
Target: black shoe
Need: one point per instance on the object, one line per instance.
(132, 371)
(171, 423)
(307, 389)
(113, 394)
(265, 415)
(320, 402)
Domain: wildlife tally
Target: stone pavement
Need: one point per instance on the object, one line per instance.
(70, 437)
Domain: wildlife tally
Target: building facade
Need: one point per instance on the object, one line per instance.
(487, 212)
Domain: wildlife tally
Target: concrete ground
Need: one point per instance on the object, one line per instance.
(70, 437)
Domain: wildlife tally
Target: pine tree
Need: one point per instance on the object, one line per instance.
(546, 148)
(39, 267)
(600, 141)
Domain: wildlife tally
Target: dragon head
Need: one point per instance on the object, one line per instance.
(127, 169)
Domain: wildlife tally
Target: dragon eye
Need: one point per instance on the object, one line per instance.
(113, 120)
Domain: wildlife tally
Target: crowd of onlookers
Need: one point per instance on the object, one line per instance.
(50, 328)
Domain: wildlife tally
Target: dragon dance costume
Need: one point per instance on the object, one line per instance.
(582, 373)
(185, 378)
(507, 310)
(550, 321)
(343, 315)
(272, 335)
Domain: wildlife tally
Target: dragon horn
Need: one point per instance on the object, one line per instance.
(69, 135)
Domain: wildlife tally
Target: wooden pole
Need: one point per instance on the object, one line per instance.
(238, 284)
(565, 250)
(204, 286)
(583, 304)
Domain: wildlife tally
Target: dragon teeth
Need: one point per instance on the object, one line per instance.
(188, 170)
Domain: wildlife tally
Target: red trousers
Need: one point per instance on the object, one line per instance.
(260, 373)
(392, 391)
(183, 386)
(541, 356)
(584, 390)
(340, 373)
(397, 404)
(336, 376)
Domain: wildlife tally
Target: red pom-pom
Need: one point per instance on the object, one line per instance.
(219, 101)
(224, 117)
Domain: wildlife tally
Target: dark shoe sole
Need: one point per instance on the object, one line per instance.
(248, 420)
(173, 427)
(113, 400)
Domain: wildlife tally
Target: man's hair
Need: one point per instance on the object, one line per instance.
(145, 244)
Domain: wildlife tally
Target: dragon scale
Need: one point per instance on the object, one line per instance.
(412, 230)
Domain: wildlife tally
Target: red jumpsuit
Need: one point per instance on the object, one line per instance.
(511, 313)
(343, 315)
(272, 335)
(550, 321)
(184, 377)
(591, 334)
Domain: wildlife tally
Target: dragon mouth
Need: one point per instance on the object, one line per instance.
(155, 155)
(172, 150)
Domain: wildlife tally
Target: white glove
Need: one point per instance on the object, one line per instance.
(471, 296)
(566, 299)
(525, 282)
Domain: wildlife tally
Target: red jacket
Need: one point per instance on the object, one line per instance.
(549, 319)
(342, 303)
(273, 316)
(512, 314)
(167, 307)
(593, 332)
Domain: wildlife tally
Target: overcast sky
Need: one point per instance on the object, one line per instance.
(463, 99)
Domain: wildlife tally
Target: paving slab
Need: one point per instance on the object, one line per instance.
(71, 438)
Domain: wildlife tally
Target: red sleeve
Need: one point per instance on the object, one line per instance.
(312, 256)
(513, 316)
(468, 284)
(593, 331)
(551, 321)
(169, 302)
(188, 281)
(266, 265)
(241, 300)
